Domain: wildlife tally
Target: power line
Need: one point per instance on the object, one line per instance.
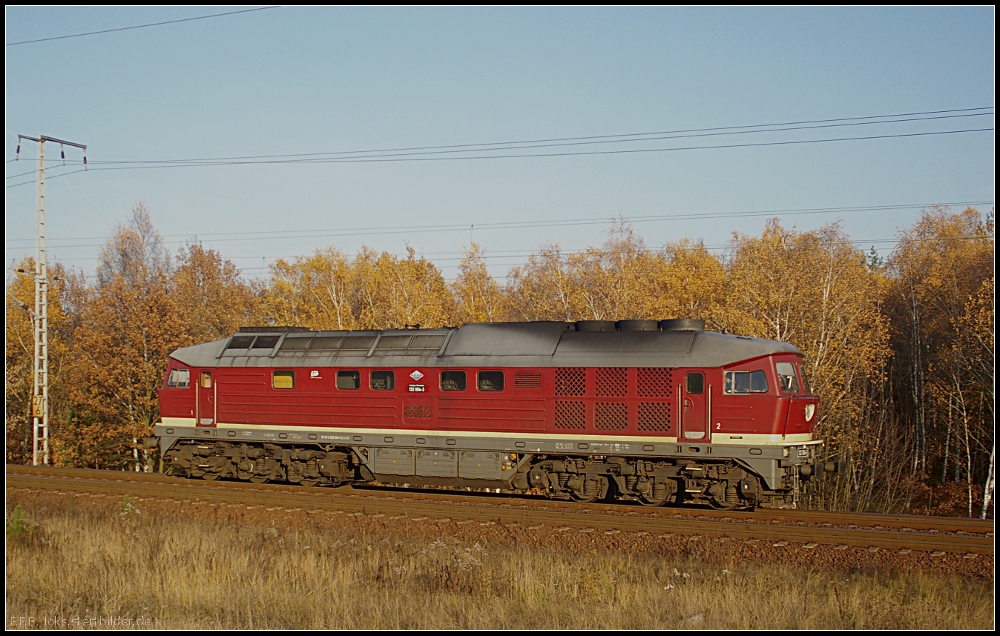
(138, 26)
(626, 137)
(61, 174)
(569, 141)
(426, 153)
(588, 140)
(712, 248)
(271, 235)
(394, 159)
(21, 174)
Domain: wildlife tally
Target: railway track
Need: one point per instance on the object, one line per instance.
(809, 529)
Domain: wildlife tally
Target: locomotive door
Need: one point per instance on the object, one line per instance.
(205, 413)
(693, 406)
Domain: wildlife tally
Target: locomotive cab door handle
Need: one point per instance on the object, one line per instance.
(688, 404)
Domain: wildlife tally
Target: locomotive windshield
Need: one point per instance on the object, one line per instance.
(787, 377)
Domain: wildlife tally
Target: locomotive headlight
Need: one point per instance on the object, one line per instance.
(810, 411)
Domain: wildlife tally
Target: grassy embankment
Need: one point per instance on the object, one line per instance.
(67, 566)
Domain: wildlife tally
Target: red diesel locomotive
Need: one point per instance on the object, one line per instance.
(648, 411)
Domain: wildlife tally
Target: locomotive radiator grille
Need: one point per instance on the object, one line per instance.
(570, 415)
(571, 381)
(610, 416)
(527, 380)
(417, 411)
(654, 416)
(655, 382)
(612, 382)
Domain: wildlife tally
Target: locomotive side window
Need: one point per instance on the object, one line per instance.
(743, 382)
(240, 342)
(326, 343)
(696, 383)
(357, 343)
(787, 379)
(265, 342)
(348, 380)
(383, 380)
(292, 343)
(490, 380)
(180, 378)
(429, 343)
(206, 379)
(387, 343)
(453, 380)
(283, 379)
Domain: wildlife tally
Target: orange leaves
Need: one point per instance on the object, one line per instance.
(688, 282)
(611, 282)
(64, 290)
(371, 291)
(478, 296)
(212, 300)
(127, 326)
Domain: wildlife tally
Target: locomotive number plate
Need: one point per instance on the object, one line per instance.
(416, 388)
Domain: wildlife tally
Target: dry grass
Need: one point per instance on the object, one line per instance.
(67, 566)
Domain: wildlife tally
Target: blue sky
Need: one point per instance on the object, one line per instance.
(296, 80)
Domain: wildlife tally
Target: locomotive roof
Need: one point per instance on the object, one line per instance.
(519, 344)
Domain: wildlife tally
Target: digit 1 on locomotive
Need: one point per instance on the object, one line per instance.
(649, 411)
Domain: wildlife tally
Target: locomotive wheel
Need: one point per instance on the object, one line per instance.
(309, 483)
(210, 476)
(588, 496)
(260, 479)
(652, 503)
(658, 494)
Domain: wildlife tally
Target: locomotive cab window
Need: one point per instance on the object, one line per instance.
(206, 379)
(383, 380)
(695, 383)
(787, 379)
(805, 380)
(283, 379)
(744, 382)
(453, 380)
(490, 381)
(180, 378)
(348, 380)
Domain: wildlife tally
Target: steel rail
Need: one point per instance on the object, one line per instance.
(850, 520)
(290, 499)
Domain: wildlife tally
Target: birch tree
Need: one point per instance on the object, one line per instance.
(478, 296)
(129, 326)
